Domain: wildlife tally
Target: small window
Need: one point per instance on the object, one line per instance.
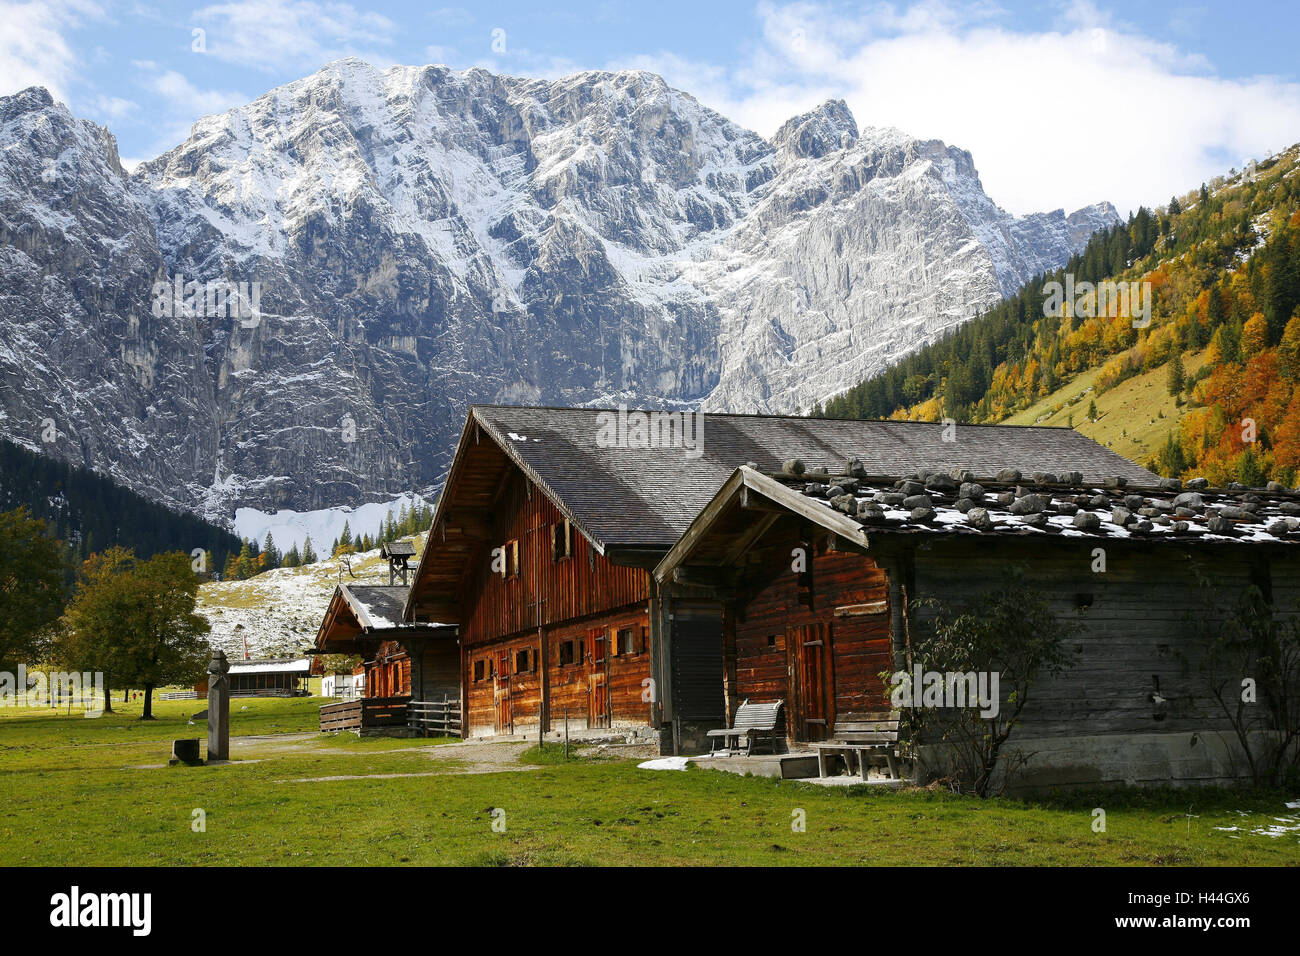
(625, 643)
(566, 653)
(522, 660)
(478, 670)
(510, 554)
(562, 540)
(771, 640)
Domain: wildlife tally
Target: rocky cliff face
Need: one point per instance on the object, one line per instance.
(87, 373)
(421, 239)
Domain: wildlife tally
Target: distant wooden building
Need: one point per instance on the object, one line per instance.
(400, 660)
(283, 677)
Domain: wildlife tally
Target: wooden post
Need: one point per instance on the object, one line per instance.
(218, 707)
(566, 733)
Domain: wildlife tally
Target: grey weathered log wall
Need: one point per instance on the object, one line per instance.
(1138, 625)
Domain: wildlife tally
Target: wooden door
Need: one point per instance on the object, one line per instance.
(501, 693)
(598, 679)
(807, 651)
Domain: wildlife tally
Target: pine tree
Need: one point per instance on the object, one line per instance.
(1171, 462)
(1250, 471)
(245, 565)
(272, 555)
(1177, 376)
(291, 558)
(308, 554)
(1092, 410)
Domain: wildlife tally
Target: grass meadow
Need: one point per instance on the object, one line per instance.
(99, 792)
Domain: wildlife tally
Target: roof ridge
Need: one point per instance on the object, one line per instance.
(1060, 429)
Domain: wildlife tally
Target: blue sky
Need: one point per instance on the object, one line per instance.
(1061, 103)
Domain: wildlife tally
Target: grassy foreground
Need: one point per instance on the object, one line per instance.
(98, 792)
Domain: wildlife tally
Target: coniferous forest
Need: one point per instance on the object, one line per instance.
(90, 513)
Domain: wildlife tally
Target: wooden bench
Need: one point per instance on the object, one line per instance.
(859, 735)
(752, 721)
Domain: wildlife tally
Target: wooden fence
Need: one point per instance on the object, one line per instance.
(367, 712)
(435, 717)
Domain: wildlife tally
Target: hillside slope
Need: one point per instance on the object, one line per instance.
(278, 612)
(1209, 386)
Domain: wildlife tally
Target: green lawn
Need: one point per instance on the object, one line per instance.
(98, 792)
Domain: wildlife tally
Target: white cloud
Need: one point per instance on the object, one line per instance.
(440, 54)
(33, 49)
(186, 99)
(181, 103)
(271, 35)
(452, 16)
(1087, 109)
(113, 107)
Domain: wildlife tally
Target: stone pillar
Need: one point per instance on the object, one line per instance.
(218, 707)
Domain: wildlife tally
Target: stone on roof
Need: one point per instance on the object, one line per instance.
(1073, 508)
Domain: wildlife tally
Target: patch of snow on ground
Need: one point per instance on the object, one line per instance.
(290, 527)
(664, 763)
(1281, 826)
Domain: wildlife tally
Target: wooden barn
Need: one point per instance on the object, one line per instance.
(647, 585)
(402, 662)
(1137, 564)
(551, 596)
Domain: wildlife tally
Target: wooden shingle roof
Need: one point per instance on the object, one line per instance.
(367, 609)
(639, 498)
(377, 607)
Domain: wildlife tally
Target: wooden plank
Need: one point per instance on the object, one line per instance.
(859, 610)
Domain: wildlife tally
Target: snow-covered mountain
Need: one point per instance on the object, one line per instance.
(421, 239)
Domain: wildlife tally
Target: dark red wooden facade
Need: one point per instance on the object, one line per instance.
(550, 628)
(821, 649)
(388, 674)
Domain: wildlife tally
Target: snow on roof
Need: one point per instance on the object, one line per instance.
(379, 606)
(376, 606)
(283, 666)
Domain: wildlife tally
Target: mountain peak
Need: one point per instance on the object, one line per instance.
(819, 131)
(31, 100)
(455, 236)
